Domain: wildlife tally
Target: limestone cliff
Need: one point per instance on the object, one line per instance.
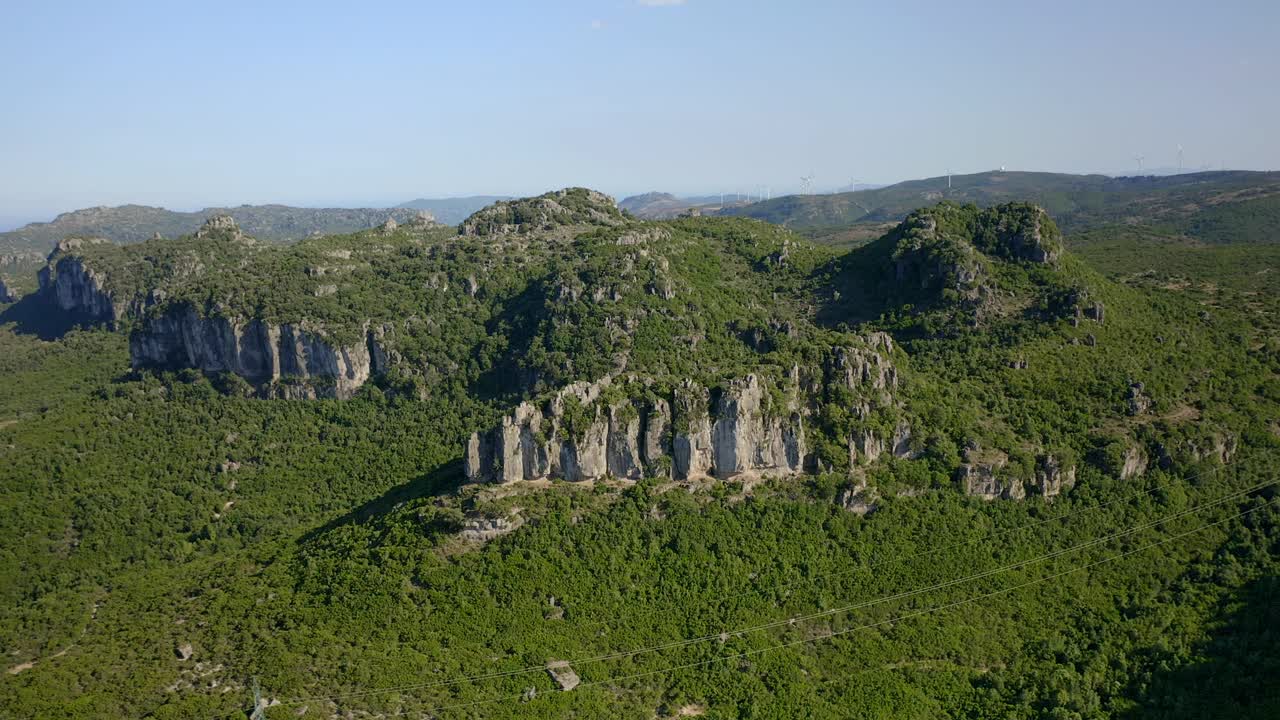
(77, 289)
(738, 434)
(260, 352)
(749, 426)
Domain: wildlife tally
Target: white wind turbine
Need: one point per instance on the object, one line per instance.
(806, 184)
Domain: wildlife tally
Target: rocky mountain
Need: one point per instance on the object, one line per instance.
(136, 223)
(557, 429)
(625, 348)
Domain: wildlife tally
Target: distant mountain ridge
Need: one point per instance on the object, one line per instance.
(135, 223)
(452, 211)
(1078, 201)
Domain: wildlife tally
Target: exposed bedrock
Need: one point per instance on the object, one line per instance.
(632, 439)
(258, 351)
(77, 289)
(749, 426)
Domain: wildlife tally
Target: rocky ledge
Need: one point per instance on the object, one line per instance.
(748, 427)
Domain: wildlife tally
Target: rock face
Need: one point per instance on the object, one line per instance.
(1051, 477)
(77, 289)
(257, 351)
(747, 438)
(631, 439)
(6, 295)
(980, 475)
(750, 426)
(1135, 463)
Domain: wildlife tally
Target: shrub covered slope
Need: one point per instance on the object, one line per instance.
(168, 535)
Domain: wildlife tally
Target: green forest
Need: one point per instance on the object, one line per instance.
(169, 536)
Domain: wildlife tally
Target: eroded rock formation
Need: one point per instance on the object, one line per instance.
(749, 426)
(79, 290)
(262, 353)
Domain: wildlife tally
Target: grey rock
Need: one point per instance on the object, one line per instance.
(484, 529)
(563, 674)
(1051, 477)
(1138, 401)
(981, 476)
(1135, 462)
(75, 288)
(259, 352)
(864, 447)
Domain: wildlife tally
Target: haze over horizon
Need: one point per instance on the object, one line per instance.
(323, 105)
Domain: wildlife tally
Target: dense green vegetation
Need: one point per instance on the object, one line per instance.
(1211, 206)
(136, 223)
(320, 545)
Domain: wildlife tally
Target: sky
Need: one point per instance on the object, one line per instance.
(193, 104)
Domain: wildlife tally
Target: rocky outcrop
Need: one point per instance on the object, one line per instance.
(1135, 462)
(1021, 231)
(749, 426)
(562, 208)
(576, 438)
(1138, 401)
(749, 437)
(1052, 477)
(861, 368)
(484, 529)
(926, 258)
(563, 674)
(77, 289)
(220, 226)
(981, 475)
(261, 353)
(6, 295)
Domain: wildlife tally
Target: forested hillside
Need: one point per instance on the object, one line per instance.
(973, 468)
(135, 223)
(1228, 206)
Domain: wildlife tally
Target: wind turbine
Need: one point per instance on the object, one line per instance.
(1139, 158)
(806, 184)
(1179, 157)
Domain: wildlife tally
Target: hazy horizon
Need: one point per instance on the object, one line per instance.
(186, 108)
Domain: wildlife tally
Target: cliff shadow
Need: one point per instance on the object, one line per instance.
(440, 481)
(1232, 675)
(31, 315)
(519, 318)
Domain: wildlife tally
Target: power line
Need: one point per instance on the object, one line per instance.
(855, 628)
(791, 620)
(924, 553)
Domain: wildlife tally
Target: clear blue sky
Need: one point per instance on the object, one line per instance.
(186, 104)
